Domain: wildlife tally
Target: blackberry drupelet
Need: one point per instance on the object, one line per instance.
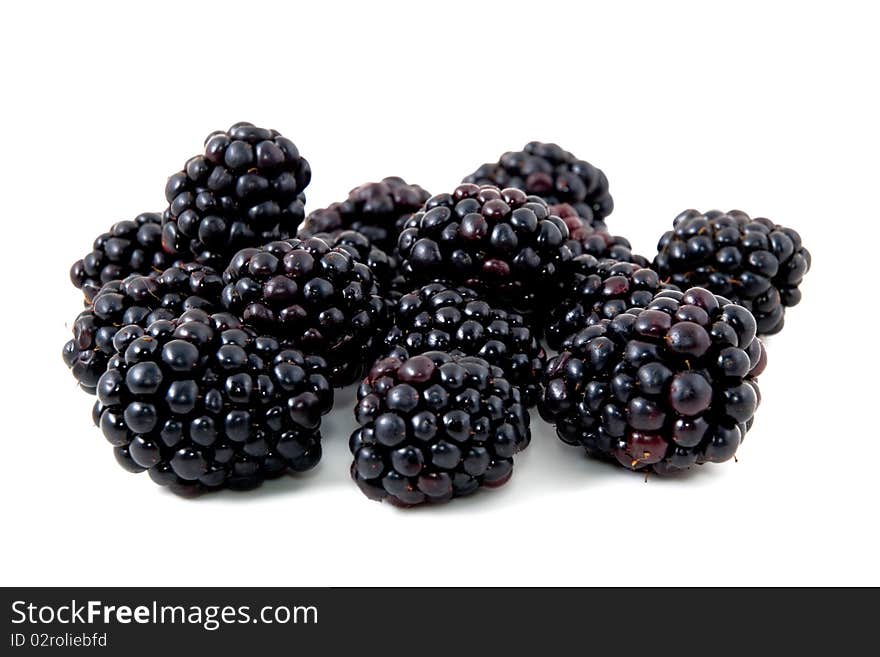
(754, 262)
(137, 300)
(660, 388)
(596, 242)
(434, 427)
(438, 317)
(245, 190)
(504, 244)
(201, 403)
(129, 247)
(554, 174)
(599, 289)
(378, 210)
(319, 297)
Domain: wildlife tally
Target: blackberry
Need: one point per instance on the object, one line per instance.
(554, 174)
(659, 388)
(434, 427)
(599, 289)
(137, 300)
(504, 244)
(383, 265)
(378, 210)
(319, 297)
(438, 317)
(599, 243)
(754, 262)
(129, 247)
(201, 403)
(245, 190)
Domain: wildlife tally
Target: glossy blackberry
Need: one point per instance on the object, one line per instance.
(554, 174)
(599, 289)
(504, 244)
(660, 388)
(201, 403)
(319, 297)
(378, 210)
(599, 243)
(434, 427)
(383, 265)
(438, 317)
(245, 190)
(754, 262)
(139, 300)
(129, 247)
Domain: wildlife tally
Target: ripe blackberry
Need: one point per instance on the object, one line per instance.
(201, 403)
(137, 300)
(434, 427)
(129, 247)
(245, 190)
(378, 210)
(361, 248)
(504, 244)
(319, 297)
(659, 388)
(438, 317)
(599, 289)
(554, 174)
(752, 261)
(596, 242)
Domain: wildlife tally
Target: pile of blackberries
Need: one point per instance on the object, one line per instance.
(215, 332)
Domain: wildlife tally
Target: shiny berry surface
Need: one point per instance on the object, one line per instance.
(434, 427)
(754, 262)
(201, 403)
(660, 388)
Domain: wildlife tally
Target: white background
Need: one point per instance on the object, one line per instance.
(767, 107)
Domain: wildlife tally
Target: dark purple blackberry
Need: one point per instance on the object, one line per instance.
(599, 243)
(660, 388)
(383, 266)
(137, 300)
(320, 298)
(438, 317)
(599, 289)
(754, 262)
(555, 175)
(245, 190)
(378, 210)
(434, 427)
(201, 403)
(504, 244)
(129, 247)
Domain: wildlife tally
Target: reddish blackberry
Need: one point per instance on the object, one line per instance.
(201, 403)
(660, 388)
(319, 297)
(245, 190)
(438, 317)
(599, 289)
(434, 427)
(752, 261)
(129, 247)
(554, 174)
(596, 242)
(378, 210)
(504, 244)
(139, 300)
